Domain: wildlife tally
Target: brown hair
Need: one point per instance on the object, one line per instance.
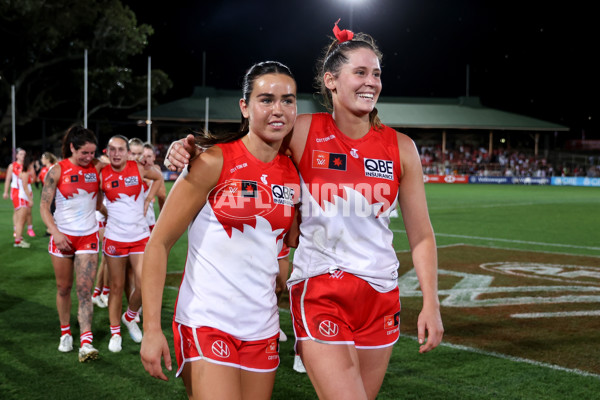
(208, 139)
(77, 136)
(50, 156)
(334, 56)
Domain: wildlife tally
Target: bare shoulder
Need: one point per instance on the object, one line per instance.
(54, 172)
(207, 166)
(303, 122)
(409, 155)
(299, 135)
(405, 143)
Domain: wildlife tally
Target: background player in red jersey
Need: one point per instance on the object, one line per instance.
(24, 200)
(351, 162)
(12, 181)
(236, 196)
(126, 233)
(73, 184)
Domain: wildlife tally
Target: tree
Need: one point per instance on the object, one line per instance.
(43, 43)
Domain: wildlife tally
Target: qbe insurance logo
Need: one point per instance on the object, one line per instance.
(383, 169)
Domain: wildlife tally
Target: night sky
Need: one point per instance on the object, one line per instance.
(529, 57)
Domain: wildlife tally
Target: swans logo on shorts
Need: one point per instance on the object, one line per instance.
(111, 249)
(391, 321)
(220, 349)
(328, 328)
(272, 346)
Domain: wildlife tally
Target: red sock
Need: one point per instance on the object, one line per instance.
(96, 292)
(86, 337)
(105, 290)
(115, 330)
(65, 329)
(130, 315)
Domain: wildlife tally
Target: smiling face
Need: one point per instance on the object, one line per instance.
(149, 156)
(117, 152)
(357, 85)
(135, 152)
(271, 107)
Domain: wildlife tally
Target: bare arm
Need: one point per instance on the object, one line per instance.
(24, 177)
(48, 193)
(413, 204)
(161, 194)
(186, 199)
(181, 152)
(153, 175)
(296, 139)
(7, 180)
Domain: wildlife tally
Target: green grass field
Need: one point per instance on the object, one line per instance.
(549, 220)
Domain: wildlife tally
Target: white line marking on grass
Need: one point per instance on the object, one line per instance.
(512, 358)
(558, 314)
(487, 246)
(458, 207)
(509, 240)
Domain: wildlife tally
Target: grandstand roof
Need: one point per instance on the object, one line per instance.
(398, 112)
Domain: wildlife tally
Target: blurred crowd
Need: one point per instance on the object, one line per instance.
(466, 160)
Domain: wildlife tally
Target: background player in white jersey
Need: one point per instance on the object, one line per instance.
(144, 154)
(226, 307)
(126, 234)
(24, 199)
(149, 157)
(74, 183)
(340, 152)
(11, 183)
(102, 288)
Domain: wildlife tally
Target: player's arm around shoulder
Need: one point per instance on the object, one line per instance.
(296, 139)
(188, 195)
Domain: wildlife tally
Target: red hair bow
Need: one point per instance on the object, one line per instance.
(342, 36)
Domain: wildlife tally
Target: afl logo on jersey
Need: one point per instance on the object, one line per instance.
(220, 349)
(383, 169)
(325, 160)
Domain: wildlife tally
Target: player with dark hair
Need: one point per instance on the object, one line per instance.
(236, 200)
(73, 184)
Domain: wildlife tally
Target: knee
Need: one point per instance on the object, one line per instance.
(63, 290)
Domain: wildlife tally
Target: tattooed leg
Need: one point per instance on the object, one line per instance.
(85, 270)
